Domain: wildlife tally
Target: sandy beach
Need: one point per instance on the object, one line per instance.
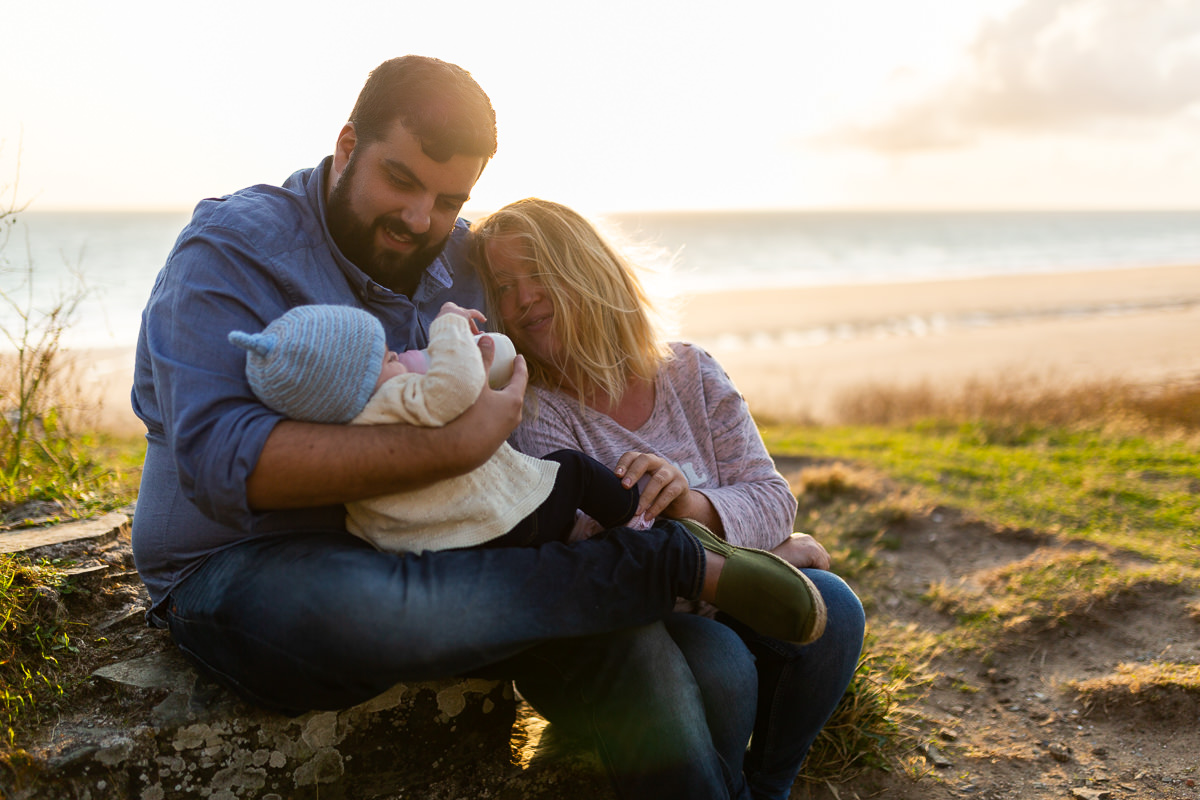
(794, 352)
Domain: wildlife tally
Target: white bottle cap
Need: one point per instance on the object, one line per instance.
(502, 364)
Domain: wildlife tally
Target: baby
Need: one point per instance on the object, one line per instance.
(325, 363)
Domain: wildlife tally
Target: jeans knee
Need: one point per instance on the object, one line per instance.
(649, 649)
(847, 621)
(717, 657)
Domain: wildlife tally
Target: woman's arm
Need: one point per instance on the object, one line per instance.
(754, 502)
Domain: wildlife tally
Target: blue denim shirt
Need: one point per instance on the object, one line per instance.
(242, 261)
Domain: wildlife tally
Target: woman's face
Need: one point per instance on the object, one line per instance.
(525, 307)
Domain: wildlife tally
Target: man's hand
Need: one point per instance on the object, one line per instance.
(497, 412)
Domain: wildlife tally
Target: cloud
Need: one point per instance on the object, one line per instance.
(1054, 66)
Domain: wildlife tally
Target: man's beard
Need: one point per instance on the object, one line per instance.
(355, 237)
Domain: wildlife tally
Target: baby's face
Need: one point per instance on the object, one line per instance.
(400, 363)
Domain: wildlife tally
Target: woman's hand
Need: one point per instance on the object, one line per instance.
(666, 492)
(801, 551)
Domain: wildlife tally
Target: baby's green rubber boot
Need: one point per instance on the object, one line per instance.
(763, 591)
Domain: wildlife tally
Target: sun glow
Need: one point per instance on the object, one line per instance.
(635, 105)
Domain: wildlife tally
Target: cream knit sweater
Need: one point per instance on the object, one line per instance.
(457, 512)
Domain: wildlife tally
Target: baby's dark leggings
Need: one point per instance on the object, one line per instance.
(582, 483)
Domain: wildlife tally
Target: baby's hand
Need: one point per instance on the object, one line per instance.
(473, 316)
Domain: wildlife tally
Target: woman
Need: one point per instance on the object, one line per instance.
(666, 415)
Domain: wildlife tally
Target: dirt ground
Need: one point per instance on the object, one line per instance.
(1006, 724)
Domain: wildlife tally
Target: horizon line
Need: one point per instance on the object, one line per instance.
(471, 213)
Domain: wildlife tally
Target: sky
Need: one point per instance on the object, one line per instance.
(624, 104)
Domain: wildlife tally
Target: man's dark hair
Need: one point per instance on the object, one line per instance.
(439, 103)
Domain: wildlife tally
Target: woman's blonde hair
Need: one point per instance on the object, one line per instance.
(603, 317)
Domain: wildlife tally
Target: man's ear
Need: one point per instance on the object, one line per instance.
(346, 142)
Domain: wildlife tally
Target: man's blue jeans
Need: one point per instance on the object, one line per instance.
(323, 621)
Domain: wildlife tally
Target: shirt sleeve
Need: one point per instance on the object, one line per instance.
(549, 422)
(755, 503)
(211, 421)
(436, 398)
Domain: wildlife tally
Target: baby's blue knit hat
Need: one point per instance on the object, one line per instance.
(315, 363)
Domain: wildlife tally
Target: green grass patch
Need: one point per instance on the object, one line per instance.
(101, 473)
(33, 637)
(1136, 492)
(81, 475)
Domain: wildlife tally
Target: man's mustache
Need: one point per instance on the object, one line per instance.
(400, 229)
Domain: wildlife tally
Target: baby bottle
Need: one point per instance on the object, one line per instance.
(502, 364)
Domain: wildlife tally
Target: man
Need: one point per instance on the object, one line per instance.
(239, 533)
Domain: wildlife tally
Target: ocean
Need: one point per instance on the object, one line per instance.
(118, 254)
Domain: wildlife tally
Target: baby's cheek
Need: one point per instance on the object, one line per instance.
(413, 361)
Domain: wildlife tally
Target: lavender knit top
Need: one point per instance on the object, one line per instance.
(701, 423)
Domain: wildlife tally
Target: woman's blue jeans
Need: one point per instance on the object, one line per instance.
(800, 687)
(323, 621)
